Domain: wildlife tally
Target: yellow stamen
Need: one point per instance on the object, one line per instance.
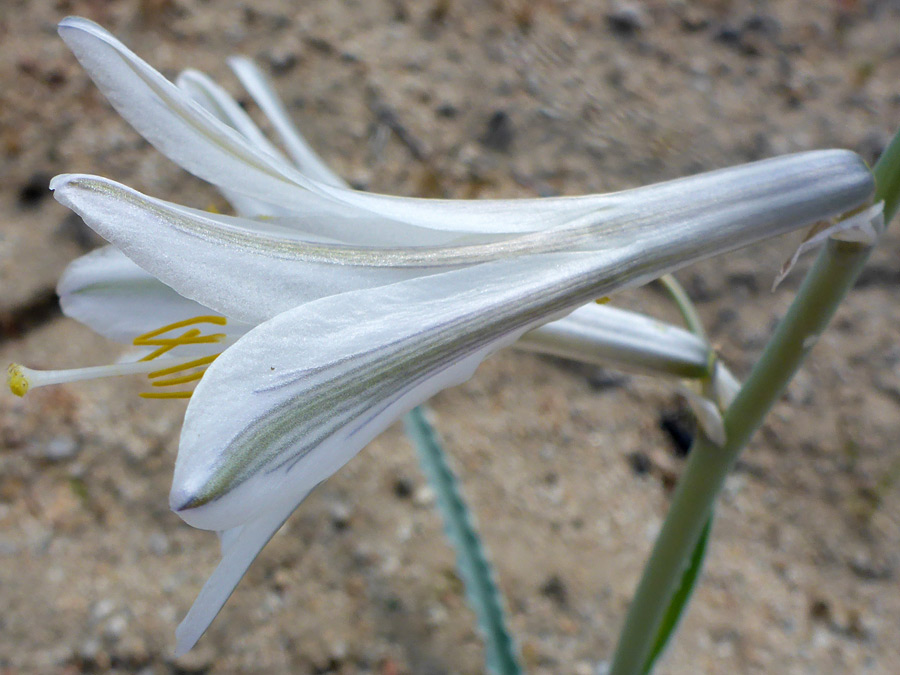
(179, 380)
(218, 320)
(193, 336)
(206, 360)
(166, 394)
(21, 379)
(602, 301)
(165, 345)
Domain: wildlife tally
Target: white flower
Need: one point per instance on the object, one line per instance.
(339, 310)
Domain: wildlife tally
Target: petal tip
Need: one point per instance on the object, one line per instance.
(67, 26)
(61, 181)
(182, 499)
(184, 641)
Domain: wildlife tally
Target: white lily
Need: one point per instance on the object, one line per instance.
(352, 308)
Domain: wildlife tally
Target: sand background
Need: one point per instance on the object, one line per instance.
(568, 468)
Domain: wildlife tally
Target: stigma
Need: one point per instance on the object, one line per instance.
(162, 366)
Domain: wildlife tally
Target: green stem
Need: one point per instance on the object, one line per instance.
(826, 284)
(685, 306)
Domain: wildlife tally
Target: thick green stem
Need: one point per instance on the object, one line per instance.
(826, 284)
(703, 477)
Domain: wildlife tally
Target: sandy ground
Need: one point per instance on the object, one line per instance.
(568, 468)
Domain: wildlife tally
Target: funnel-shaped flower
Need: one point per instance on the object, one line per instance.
(355, 307)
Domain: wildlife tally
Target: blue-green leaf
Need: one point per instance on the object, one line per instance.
(471, 560)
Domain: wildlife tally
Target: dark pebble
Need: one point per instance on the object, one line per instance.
(763, 24)
(281, 61)
(600, 379)
(728, 35)
(403, 488)
(35, 189)
(555, 589)
(447, 111)
(678, 430)
(499, 133)
(745, 281)
(626, 20)
(820, 610)
(639, 463)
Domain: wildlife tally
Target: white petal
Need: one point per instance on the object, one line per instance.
(175, 124)
(626, 340)
(219, 103)
(253, 270)
(708, 416)
(262, 92)
(249, 270)
(205, 146)
(301, 394)
(240, 547)
(109, 293)
(192, 137)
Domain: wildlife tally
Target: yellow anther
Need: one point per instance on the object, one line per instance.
(16, 379)
(602, 301)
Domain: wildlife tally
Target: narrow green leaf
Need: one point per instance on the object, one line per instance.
(679, 601)
(471, 559)
(887, 178)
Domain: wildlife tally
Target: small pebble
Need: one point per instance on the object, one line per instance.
(34, 190)
(639, 463)
(424, 496)
(499, 134)
(403, 488)
(626, 19)
(60, 448)
(555, 589)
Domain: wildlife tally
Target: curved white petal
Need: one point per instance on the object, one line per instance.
(209, 148)
(298, 396)
(109, 293)
(258, 86)
(106, 291)
(240, 546)
(626, 340)
(192, 137)
(219, 102)
(344, 225)
(253, 270)
(175, 124)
